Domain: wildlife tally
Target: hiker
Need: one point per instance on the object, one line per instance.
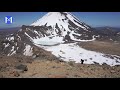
(82, 61)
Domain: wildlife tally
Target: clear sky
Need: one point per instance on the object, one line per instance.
(94, 19)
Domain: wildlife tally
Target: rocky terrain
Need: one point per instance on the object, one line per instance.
(26, 67)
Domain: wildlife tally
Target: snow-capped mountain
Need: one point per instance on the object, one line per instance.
(62, 23)
(51, 31)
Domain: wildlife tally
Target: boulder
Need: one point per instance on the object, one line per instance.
(16, 74)
(22, 67)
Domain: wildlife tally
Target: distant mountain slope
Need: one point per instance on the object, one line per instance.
(12, 28)
(117, 29)
(108, 33)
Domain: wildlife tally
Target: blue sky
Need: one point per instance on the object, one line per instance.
(94, 19)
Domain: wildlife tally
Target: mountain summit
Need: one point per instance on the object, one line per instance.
(62, 19)
(62, 23)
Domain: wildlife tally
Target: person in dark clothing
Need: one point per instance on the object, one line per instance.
(82, 61)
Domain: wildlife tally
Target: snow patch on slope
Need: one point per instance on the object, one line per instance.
(10, 38)
(6, 45)
(72, 52)
(28, 51)
(13, 51)
(28, 36)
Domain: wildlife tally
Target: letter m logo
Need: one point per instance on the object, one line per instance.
(8, 19)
